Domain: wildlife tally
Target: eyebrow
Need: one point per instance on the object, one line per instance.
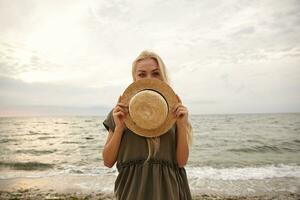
(145, 71)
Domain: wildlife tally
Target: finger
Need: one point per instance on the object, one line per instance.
(117, 109)
(119, 115)
(174, 115)
(181, 109)
(125, 108)
(181, 113)
(174, 108)
(177, 106)
(122, 105)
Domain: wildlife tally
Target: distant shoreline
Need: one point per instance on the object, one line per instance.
(103, 115)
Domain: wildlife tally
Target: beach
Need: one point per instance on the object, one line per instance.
(79, 187)
(245, 156)
(30, 194)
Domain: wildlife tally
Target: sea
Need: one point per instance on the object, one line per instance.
(231, 154)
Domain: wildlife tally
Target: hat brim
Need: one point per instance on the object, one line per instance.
(163, 89)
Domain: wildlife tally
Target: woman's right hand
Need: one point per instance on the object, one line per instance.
(119, 114)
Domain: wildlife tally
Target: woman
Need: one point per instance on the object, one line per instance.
(149, 168)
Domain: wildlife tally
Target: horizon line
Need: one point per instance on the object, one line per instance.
(100, 115)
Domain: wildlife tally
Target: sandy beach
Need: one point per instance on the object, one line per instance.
(82, 187)
(51, 194)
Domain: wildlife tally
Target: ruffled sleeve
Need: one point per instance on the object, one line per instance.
(109, 122)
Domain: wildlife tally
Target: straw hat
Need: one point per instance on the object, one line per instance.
(150, 102)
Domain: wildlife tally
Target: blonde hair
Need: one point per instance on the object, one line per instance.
(154, 143)
(161, 66)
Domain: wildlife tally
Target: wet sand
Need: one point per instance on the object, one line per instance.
(51, 194)
(83, 187)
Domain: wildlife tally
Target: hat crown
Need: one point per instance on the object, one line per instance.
(157, 120)
(148, 109)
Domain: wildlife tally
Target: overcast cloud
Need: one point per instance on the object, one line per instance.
(75, 57)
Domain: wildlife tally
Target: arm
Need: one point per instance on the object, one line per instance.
(112, 145)
(111, 148)
(183, 128)
(182, 150)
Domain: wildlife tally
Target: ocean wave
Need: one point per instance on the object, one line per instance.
(88, 170)
(62, 170)
(46, 137)
(264, 149)
(7, 140)
(26, 165)
(33, 133)
(245, 173)
(61, 123)
(70, 142)
(198, 174)
(36, 133)
(35, 152)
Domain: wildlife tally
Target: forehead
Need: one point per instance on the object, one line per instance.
(147, 64)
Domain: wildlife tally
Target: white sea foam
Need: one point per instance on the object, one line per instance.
(200, 173)
(246, 173)
(63, 170)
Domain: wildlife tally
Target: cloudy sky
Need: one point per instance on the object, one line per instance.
(74, 57)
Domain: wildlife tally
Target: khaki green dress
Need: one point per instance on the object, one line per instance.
(158, 179)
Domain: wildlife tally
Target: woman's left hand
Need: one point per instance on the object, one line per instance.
(180, 113)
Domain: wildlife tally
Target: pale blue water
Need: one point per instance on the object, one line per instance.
(237, 154)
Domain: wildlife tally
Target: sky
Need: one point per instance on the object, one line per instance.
(71, 57)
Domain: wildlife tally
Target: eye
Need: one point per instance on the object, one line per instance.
(156, 73)
(141, 75)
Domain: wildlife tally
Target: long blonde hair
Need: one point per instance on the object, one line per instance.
(154, 142)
